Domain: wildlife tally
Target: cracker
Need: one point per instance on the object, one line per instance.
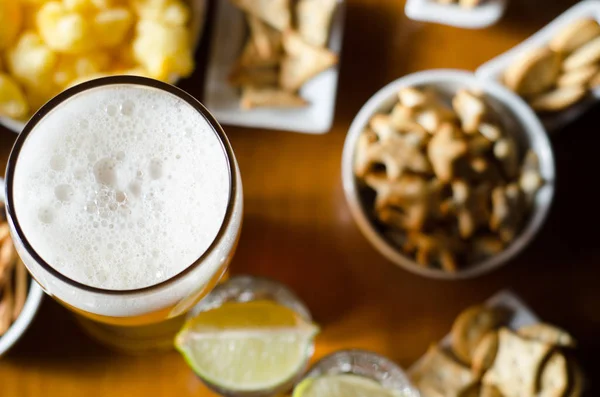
(303, 61)
(549, 334)
(507, 211)
(407, 189)
(381, 124)
(485, 353)
(413, 97)
(578, 77)
(362, 161)
(471, 206)
(471, 326)
(397, 154)
(558, 99)
(433, 117)
(270, 97)
(517, 366)
(266, 39)
(554, 378)
(274, 12)
(314, 20)
(445, 148)
(533, 73)
(574, 35)
(439, 374)
(471, 110)
(587, 54)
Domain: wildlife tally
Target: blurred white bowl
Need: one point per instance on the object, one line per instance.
(531, 134)
(196, 24)
(32, 303)
(482, 16)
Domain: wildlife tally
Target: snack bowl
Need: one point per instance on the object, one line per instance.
(198, 19)
(520, 120)
(32, 303)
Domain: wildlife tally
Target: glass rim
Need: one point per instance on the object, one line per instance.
(108, 81)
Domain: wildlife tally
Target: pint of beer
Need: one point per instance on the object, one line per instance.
(125, 203)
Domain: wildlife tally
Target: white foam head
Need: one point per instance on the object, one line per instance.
(121, 187)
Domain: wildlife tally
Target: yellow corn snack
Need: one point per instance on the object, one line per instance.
(65, 30)
(111, 26)
(11, 19)
(12, 100)
(163, 50)
(30, 61)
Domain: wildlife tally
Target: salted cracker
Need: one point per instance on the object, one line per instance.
(517, 366)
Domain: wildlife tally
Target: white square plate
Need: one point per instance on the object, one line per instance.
(479, 17)
(494, 69)
(223, 101)
(522, 315)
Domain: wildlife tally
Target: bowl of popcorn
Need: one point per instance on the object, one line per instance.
(20, 296)
(448, 176)
(48, 46)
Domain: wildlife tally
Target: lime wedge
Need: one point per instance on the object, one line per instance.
(249, 346)
(344, 385)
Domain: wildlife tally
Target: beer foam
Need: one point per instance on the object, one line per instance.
(122, 187)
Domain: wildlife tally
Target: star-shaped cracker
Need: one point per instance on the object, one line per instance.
(397, 153)
(471, 206)
(400, 192)
(517, 366)
(445, 148)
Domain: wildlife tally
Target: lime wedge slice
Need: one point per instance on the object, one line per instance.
(344, 385)
(249, 346)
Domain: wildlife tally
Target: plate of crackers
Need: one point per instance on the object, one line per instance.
(470, 14)
(447, 176)
(274, 64)
(20, 296)
(557, 70)
(500, 349)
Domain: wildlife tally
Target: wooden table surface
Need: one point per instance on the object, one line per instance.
(297, 229)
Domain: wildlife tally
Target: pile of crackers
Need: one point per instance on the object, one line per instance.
(284, 50)
(487, 359)
(451, 184)
(13, 281)
(462, 3)
(560, 74)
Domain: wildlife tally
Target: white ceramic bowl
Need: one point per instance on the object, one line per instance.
(531, 134)
(32, 303)
(197, 22)
(482, 16)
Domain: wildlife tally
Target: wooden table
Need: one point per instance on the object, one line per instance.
(297, 229)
